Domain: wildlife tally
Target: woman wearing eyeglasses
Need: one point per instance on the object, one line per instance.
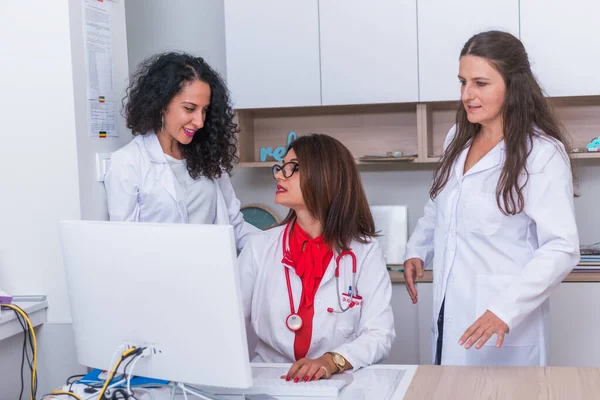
(316, 288)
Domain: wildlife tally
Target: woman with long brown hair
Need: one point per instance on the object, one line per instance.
(316, 288)
(500, 226)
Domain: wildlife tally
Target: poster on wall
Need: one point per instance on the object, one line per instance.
(101, 98)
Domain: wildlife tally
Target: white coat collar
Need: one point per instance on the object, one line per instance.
(492, 159)
(165, 176)
(154, 148)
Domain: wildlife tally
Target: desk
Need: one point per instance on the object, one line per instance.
(372, 383)
(464, 383)
(34, 306)
(510, 383)
(576, 276)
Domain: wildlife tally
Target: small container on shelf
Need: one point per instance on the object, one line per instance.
(594, 145)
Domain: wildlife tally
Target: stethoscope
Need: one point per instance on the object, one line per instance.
(294, 321)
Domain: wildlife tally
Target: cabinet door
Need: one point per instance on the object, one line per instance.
(563, 42)
(368, 51)
(272, 49)
(444, 28)
(575, 321)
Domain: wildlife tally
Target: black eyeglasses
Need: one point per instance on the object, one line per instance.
(286, 169)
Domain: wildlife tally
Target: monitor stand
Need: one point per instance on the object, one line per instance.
(194, 392)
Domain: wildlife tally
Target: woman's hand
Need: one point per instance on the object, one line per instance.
(483, 329)
(307, 369)
(413, 268)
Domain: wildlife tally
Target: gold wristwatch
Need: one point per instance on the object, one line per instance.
(338, 360)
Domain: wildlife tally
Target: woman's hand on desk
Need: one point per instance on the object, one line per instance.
(483, 329)
(307, 369)
(413, 268)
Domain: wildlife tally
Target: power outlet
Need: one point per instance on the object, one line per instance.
(102, 164)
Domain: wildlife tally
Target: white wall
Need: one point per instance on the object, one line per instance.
(157, 25)
(46, 157)
(39, 178)
(38, 159)
(47, 164)
(92, 193)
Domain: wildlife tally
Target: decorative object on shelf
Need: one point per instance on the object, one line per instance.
(594, 144)
(279, 152)
(401, 270)
(260, 216)
(395, 154)
(590, 249)
(590, 257)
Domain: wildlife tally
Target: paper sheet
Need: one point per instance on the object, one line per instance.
(102, 101)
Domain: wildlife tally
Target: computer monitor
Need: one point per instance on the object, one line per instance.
(171, 287)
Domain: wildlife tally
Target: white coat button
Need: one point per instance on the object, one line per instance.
(451, 278)
(449, 321)
(318, 302)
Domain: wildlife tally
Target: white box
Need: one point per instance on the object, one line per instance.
(392, 224)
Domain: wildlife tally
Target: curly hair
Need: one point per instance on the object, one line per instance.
(159, 79)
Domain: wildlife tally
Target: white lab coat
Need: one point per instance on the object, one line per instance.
(485, 260)
(363, 335)
(141, 187)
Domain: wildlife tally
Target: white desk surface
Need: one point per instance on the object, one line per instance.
(371, 383)
(442, 382)
(34, 306)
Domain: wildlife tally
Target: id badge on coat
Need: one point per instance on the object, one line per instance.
(356, 299)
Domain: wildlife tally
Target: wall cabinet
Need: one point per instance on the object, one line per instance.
(272, 50)
(368, 51)
(563, 42)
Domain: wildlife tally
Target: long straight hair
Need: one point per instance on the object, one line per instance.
(525, 114)
(332, 191)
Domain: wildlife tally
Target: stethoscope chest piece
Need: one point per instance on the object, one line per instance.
(293, 322)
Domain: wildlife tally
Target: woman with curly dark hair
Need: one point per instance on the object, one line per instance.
(176, 169)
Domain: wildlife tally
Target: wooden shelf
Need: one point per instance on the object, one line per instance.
(413, 128)
(256, 164)
(577, 276)
(365, 130)
(587, 155)
(269, 164)
(398, 277)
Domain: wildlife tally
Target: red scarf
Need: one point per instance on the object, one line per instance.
(309, 258)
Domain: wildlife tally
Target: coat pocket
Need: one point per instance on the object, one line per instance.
(482, 215)
(348, 323)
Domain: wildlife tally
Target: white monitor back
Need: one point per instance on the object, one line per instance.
(392, 224)
(173, 287)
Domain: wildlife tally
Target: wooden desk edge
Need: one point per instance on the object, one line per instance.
(579, 276)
